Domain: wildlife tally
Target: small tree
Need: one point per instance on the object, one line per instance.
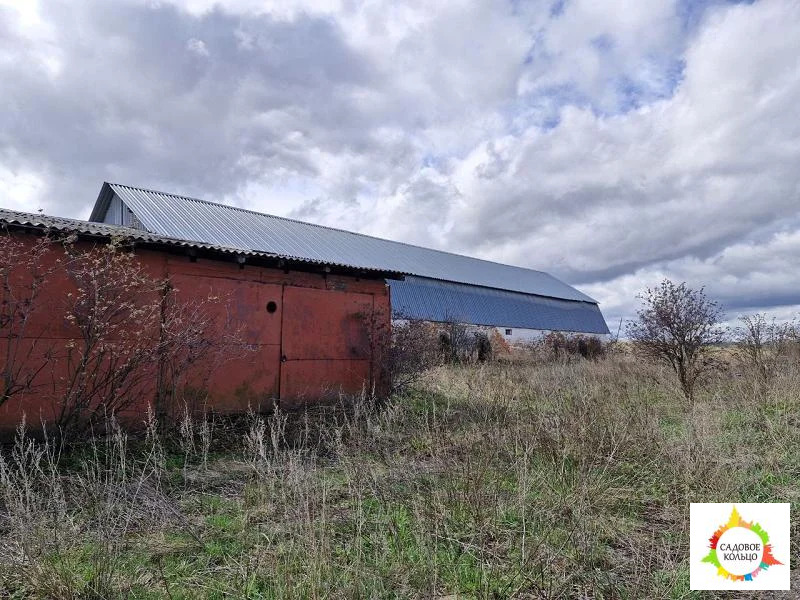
(761, 345)
(679, 326)
(134, 337)
(115, 311)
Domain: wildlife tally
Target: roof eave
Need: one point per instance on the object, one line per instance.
(144, 239)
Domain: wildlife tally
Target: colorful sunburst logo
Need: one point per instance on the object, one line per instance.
(740, 549)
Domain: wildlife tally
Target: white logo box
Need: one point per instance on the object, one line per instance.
(751, 546)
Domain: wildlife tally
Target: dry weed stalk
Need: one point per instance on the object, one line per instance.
(553, 480)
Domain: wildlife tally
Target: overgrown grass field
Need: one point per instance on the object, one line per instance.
(542, 480)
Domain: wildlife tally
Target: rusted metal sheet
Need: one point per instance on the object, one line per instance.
(320, 324)
(328, 330)
(236, 385)
(241, 308)
(309, 381)
(326, 343)
(244, 372)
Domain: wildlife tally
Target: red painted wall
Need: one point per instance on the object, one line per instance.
(323, 338)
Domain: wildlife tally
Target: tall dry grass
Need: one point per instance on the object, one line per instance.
(547, 480)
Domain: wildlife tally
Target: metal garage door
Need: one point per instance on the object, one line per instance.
(250, 311)
(325, 344)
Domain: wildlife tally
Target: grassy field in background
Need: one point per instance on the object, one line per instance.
(555, 480)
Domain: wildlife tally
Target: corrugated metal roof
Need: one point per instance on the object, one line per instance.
(432, 300)
(65, 225)
(194, 219)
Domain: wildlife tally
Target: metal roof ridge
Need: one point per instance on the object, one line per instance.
(329, 228)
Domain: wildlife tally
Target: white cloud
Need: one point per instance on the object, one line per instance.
(197, 47)
(609, 143)
(21, 190)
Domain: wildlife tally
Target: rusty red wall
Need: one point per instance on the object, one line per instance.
(324, 336)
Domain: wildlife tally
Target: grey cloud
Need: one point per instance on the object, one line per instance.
(131, 102)
(600, 196)
(745, 277)
(561, 140)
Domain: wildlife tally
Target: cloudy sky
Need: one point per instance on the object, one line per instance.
(610, 143)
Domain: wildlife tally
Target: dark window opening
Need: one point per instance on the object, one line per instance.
(271, 307)
(508, 332)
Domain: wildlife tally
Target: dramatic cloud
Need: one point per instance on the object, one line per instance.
(611, 144)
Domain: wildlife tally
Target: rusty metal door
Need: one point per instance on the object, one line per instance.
(238, 377)
(325, 344)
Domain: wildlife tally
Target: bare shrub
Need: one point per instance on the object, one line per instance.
(573, 345)
(679, 326)
(414, 349)
(115, 310)
(463, 343)
(129, 334)
(24, 274)
(763, 345)
(455, 341)
(416, 346)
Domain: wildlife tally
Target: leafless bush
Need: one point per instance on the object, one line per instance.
(24, 274)
(463, 343)
(413, 350)
(572, 345)
(455, 341)
(557, 346)
(129, 335)
(679, 326)
(762, 346)
(115, 310)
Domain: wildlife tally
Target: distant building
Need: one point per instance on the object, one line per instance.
(438, 286)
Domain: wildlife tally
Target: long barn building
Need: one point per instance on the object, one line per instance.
(438, 286)
(314, 305)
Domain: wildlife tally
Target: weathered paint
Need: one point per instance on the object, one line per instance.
(325, 342)
(322, 338)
